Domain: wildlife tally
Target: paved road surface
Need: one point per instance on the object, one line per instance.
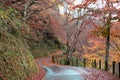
(60, 72)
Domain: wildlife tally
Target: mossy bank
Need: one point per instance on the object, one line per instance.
(16, 61)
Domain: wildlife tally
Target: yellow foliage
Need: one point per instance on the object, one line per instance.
(3, 14)
(92, 56)
(53, 0)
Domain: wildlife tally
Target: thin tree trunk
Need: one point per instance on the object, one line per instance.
(71, 47)
(107, 43)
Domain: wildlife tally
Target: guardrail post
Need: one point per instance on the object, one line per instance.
(64, 61)
(84, 61)
(77, 62)
(95, 64)
(72, 61)
(60, 61)
(119, 69)
(113, 67)
(56, 60)
(99, 64)
(53, 59)
(92, 63)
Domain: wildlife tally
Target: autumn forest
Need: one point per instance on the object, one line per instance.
(59, 39)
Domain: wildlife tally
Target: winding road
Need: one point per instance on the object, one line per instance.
(57, 72)
(61, 72)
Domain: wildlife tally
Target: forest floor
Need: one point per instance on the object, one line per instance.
(60, 72)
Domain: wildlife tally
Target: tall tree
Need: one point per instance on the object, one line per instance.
(76, 27)
(103, 12)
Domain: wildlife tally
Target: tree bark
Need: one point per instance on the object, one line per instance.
(107, 42)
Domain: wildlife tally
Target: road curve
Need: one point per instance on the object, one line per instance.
(61, 72)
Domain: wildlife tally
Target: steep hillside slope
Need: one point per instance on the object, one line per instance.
(16, 61)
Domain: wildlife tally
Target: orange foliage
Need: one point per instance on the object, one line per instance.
(115, 31)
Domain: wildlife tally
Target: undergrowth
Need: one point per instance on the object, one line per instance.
(16, 61)
(44, 48)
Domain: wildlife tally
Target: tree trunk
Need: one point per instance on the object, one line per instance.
(69, 55)
(70, 50)
(67, 62)
(107, 48)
